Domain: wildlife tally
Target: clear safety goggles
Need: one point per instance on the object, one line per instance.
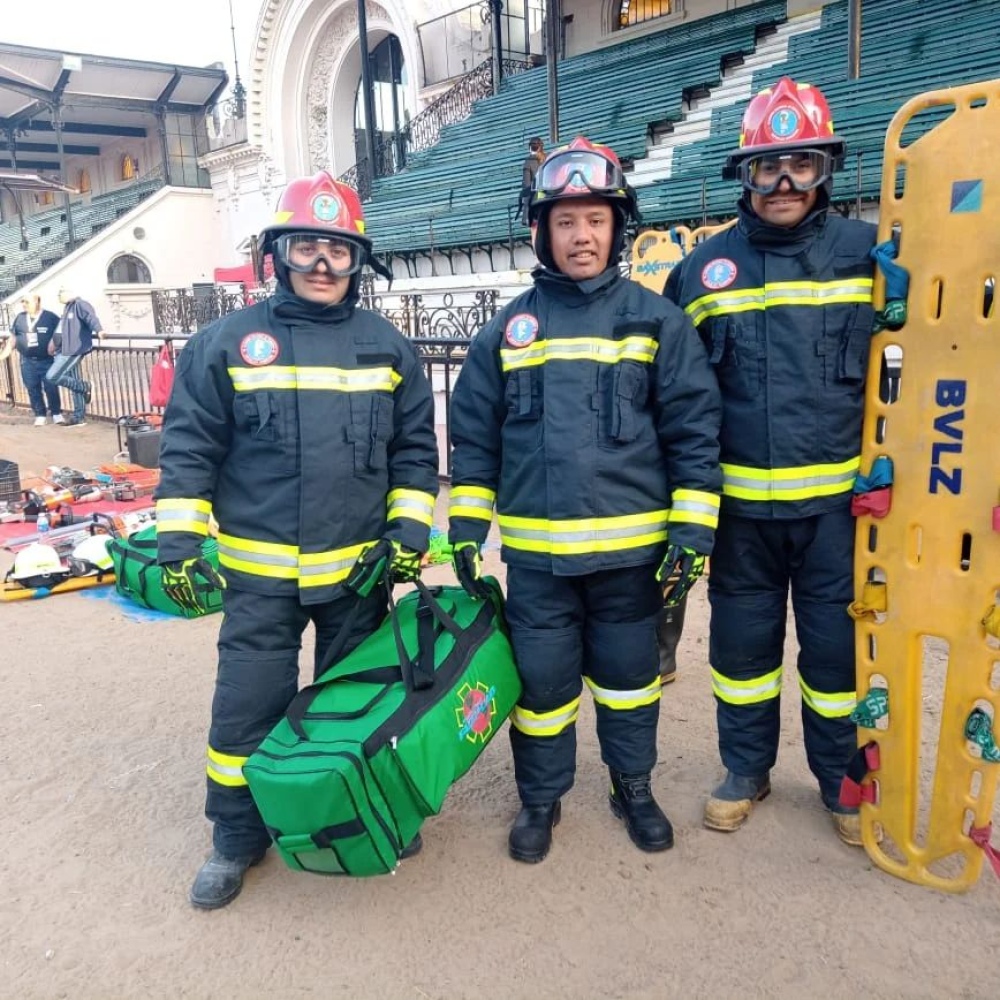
(804, 169)
(302, 252)
(579, 171)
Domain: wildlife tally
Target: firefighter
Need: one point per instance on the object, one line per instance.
(305, 426)
(576, 405)
(783, 304)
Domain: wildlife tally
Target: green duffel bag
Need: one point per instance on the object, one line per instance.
(369, 751)
(140, 579)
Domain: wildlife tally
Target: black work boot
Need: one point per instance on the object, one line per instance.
(219, 880)
(531, 835)
(730, 804)
(668, 635)
(413, 848)
(631, 800)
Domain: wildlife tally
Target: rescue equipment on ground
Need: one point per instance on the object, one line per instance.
(91, 557)
(37, 566)
(926, 556)
(369, 751)
(140, 578)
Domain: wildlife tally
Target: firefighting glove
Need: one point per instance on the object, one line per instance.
(468, 565)
(182, 585)
(385, 559)
(678, 573)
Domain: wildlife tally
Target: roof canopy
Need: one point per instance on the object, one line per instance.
(32, 182)
(96, 97)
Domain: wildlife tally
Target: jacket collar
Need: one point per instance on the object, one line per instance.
(290, 308)
(576, 293)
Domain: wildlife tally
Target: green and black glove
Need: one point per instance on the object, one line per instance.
(679, 572)
(385, 558)
(182, 585)
(468, 564)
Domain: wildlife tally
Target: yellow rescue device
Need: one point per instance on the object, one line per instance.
(928, 571)
(656, 253)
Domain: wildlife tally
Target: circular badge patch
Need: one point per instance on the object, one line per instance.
(326, 208)
(522, 330)
(784, 123)
(718, 273)
(259, 349)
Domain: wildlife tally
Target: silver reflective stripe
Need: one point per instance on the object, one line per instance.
(224, 769)
(625, 699)
(400, 504)
(187, 514)
(787, 485)
(542, 534)
(462, 500)
(261, 558)
(333, 566)
(554, 721)
(696, 507)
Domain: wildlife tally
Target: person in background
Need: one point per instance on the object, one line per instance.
(74, 340)
(33, 330)
(536, 153)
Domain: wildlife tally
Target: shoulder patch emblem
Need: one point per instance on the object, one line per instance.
(718, 273)
(259, 349)
(521, 330)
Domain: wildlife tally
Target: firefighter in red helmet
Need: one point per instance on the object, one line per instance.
(783, 303)
(586, 413)
(305, 426)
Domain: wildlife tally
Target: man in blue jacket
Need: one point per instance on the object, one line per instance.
(783, 303)
(587, 414)
(74, 341)
(306, 427)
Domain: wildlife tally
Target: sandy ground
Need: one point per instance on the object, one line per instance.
(103, 720)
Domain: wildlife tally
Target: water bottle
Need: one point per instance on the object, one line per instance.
(42, 525)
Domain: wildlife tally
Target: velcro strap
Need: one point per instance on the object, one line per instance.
(878, 503)
(980, 836)
(864, 761)
(874, 601)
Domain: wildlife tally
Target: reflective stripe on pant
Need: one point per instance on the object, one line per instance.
(259, 644)
(602, 625)
(753, 564)
(63, 373)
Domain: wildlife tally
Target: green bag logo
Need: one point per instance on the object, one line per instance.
(475, 712)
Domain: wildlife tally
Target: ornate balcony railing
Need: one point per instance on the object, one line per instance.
(393, 151)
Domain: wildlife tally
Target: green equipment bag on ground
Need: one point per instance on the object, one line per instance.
(369, 751)
(140, 579)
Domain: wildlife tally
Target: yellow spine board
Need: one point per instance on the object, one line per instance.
(655, 254)
(12, 591)
(942, 436)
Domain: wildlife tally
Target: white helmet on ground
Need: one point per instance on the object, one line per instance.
(38, 565)
(91, 556)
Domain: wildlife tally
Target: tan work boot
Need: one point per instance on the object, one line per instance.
(848, 827)
(731, 802)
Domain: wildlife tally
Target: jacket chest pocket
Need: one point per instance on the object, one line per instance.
(523, 402)
(267, 425)
(846, 341)
(625, 398)
(370, 431)
(736, 350)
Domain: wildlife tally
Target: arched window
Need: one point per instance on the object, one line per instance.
(130, 167)
(632, 12)
(127, 269)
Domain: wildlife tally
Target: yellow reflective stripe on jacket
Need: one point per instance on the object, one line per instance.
(603, 350)
(286, 562)
(779, 293)
(414, 504)
(830, 706)
(225, 769)
(751, 692)
(622, 701)
(183, 515)
(798, 482)
(585, 534)
(545, 723)
(383, 378)
(472, 501)
(694, 507)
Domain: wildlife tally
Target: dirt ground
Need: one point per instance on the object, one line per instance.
(103, 718)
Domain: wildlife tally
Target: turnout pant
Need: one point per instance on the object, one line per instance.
(62, 372)
(598, 629)
(259, 644)
(40, 390)
(753, 565)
